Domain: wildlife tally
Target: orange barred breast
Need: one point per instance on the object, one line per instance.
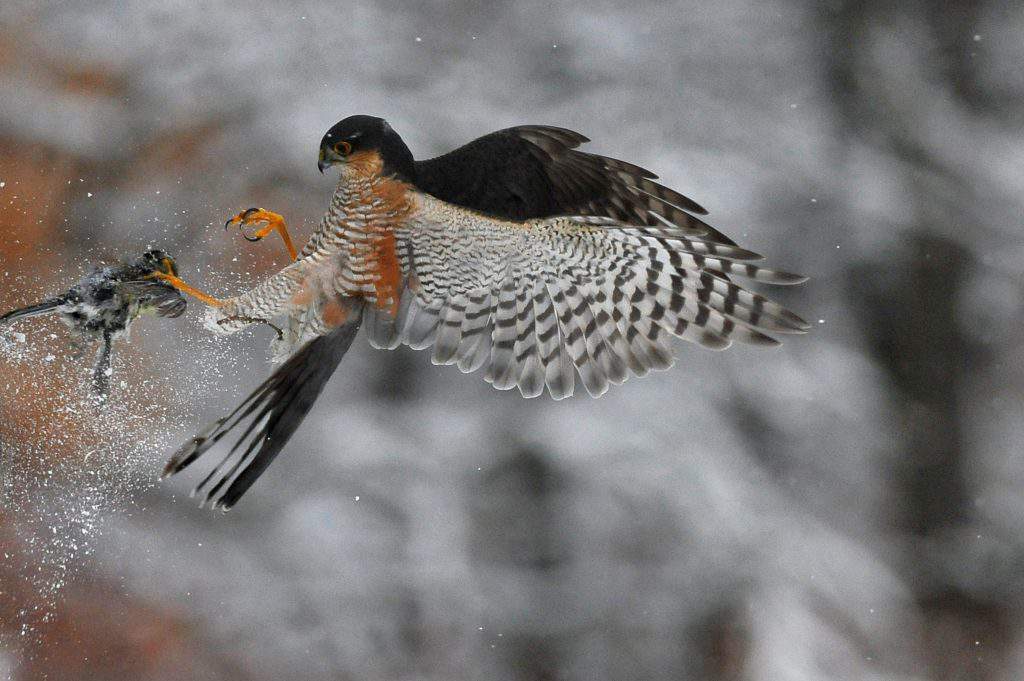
(376, 271)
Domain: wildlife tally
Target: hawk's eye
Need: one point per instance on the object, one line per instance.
(342, 148)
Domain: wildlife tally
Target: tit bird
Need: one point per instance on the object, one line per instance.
(102, 306)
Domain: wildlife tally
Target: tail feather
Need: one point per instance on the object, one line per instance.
(280, 404)
(45, 307)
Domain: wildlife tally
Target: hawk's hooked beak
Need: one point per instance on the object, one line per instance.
(328, 158)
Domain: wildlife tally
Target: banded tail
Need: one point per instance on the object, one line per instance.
(280, 404)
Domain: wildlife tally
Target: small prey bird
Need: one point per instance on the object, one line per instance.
(102, 306)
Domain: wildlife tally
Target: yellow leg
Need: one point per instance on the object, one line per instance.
(177, 283)
(274, 223)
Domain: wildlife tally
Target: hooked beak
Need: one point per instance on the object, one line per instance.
(327, 159)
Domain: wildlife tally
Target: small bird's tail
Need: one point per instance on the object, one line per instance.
(45, 307)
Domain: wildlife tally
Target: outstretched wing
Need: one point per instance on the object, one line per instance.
(535, 171)
(539, 301)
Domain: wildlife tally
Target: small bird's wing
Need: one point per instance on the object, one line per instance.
(535, 171)
(272, 413)
(155, 295)
(539, 301)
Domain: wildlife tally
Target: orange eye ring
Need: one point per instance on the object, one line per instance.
(343, 148)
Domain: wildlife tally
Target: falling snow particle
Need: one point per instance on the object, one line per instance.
(49, 358)
(821, 321)
(977, 38)
(2, 185)
(89, 194)
(419, 39)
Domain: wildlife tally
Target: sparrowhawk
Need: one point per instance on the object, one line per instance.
(516, 253)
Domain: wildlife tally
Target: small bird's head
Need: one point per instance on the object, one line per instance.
(363, 137)
(156, 296)
(157, 261)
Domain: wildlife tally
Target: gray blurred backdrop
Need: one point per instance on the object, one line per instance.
(848, 506)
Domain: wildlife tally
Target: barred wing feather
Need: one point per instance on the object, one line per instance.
(539, 303)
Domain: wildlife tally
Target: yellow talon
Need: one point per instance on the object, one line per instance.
(173, 280)
(274, 223)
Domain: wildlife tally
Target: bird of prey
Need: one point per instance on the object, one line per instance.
(103, 305)
(516, 253)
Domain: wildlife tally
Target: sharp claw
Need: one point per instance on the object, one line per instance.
(240, 220)
(252, 320)
(227, 223)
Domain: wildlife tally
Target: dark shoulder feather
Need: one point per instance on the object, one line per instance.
(274, 411)
(535, 171)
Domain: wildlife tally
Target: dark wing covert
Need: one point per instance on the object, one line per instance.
(535, 171)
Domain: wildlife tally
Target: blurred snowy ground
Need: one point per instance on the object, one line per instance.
(847, 507)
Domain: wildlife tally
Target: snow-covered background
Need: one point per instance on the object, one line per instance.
(850, 506)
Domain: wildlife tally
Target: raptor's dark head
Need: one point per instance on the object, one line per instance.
(355, 136)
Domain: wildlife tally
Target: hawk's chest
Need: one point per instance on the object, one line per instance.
(359, 239)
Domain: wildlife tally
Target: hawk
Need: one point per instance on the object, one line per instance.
(516, 253)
